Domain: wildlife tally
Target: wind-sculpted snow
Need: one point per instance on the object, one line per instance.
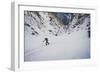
(68, 35)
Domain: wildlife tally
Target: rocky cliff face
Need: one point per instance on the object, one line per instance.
(52, 23)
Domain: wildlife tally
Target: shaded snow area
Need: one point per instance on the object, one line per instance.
(56, 36)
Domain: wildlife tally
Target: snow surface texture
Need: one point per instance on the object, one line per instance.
(68, 36)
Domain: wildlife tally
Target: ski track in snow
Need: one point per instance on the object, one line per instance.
(67, 46)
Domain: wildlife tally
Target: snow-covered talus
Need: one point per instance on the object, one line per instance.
(67, 33)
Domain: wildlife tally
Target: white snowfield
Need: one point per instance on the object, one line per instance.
(73, 43)
(60, 47)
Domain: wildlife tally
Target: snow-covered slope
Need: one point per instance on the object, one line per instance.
(67, 33)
